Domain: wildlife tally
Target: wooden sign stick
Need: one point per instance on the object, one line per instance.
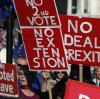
(81, 73)
(49, 89)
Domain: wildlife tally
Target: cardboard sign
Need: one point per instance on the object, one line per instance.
(77, 90)
(8, 80)
(44, 49)
(81, 40)
(37, 12)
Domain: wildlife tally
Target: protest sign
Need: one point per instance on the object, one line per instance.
(8, 80)
(37, 12)
(77, 90)
(44, 48)
(81, 40)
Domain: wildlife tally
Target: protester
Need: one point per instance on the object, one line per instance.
(57, 87)
(96, 78)
(74, 74)
(26, 78)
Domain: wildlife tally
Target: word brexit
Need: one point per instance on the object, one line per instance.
(81, 40)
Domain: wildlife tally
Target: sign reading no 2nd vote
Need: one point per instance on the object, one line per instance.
(82, 40)
(37, 12)
(44, 48)
(8, 80)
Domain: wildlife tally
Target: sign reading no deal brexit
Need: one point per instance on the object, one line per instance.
(44, 48)
(81, 40)
(77, 90)
(37, 12)
(8, 80)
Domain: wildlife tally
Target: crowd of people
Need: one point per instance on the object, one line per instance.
(44, 84)
(37, 85)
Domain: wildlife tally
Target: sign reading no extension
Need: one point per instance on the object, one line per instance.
(44, 48)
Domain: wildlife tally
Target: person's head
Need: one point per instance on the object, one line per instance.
(22, 60)
(97, 73)
(61, 74)
(22, 65)
(22, 77)
(26, 77)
